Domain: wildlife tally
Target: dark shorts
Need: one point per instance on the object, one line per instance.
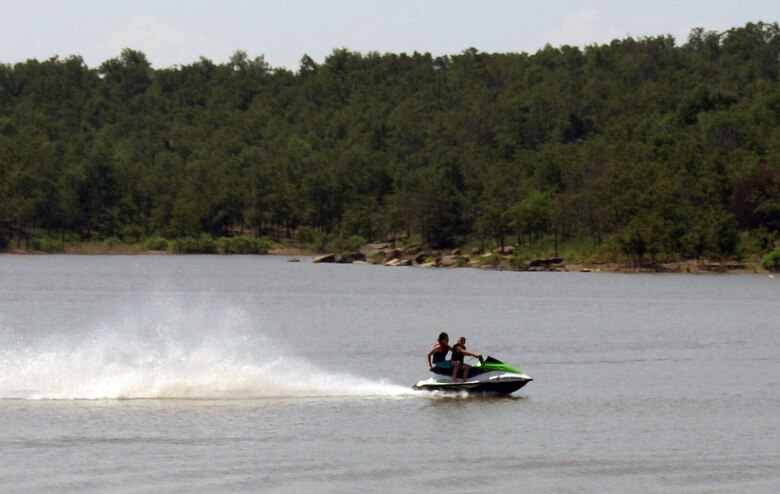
(443, 365)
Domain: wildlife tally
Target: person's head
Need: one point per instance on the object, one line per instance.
(443, 337)
(461, 340)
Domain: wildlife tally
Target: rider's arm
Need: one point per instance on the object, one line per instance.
(433, 350)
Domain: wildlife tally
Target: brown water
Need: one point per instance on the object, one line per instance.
(247, 374)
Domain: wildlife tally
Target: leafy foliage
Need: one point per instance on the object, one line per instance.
(650, 149)
(771, 261)
(243, 245)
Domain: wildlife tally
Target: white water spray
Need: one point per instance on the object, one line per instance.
(162, 350)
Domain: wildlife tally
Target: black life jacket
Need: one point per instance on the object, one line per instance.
(441, 355)
(457, 354)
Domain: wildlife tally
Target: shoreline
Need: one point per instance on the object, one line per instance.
(495, 260)
(487, 261)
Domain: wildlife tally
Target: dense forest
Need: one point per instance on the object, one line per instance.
(641, 148)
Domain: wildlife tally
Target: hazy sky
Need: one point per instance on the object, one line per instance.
(174, 32)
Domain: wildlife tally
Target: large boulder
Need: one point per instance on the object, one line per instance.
(350, 258)
(378, 257)
(325, 258)
(421, 257)
(508, 250)
(453, 261)
(399, 262)
(551, 264)
(375, 247)
(536, 263)
(413, 250)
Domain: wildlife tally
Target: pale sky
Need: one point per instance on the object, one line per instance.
(177, 32)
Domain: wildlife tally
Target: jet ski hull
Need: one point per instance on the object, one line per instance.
(489, 377)
(472, 388)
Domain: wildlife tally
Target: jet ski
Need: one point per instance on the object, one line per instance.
(489, 377)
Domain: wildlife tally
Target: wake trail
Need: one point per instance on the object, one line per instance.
(165, 352)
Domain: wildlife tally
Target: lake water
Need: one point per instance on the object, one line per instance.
(251, 374)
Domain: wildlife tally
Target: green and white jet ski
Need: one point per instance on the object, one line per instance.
(489, 376)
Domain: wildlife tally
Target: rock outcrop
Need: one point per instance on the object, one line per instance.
(386, 254)
(325, 258)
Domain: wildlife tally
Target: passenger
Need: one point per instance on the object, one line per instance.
(439, 352)
(458, 352)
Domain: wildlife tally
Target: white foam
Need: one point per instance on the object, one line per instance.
(166, 351)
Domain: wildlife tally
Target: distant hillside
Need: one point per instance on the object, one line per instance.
(641, 146)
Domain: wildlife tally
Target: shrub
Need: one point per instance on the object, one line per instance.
(185, 245)
(201, 245)
(243, 245)
(225, 245)
(112, 242)
(48, 245)
(517, 262)
(350, 244)
(321, 242)
(155, 243)
(206, 244)
(771, 261)
(491, 260)
(131, 234)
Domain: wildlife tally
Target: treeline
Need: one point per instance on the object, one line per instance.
(640, 146)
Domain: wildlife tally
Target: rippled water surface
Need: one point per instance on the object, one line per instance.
(251, 374)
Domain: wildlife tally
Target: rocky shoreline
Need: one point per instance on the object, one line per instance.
(386, 254)
(418, 256)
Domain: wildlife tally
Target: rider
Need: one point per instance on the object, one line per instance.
(439, 352)
(458, 352)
